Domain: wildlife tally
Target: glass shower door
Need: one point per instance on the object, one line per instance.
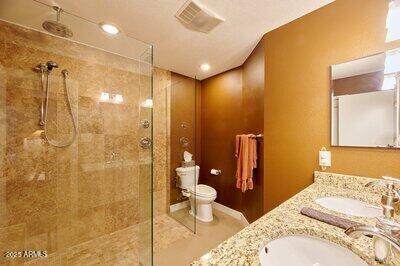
(146, 144)
(184, 155)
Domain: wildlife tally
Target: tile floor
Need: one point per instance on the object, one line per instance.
(187, 249)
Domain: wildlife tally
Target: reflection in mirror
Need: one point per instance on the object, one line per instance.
(393, 21)
(365, 93)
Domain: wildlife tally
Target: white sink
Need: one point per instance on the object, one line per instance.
(349, 206)
(307, 251)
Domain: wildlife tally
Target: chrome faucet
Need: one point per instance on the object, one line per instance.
(386, 233)
(385, 229)
(395, 181)
(390, 198)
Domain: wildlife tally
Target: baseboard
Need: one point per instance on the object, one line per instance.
(222, 208)
(179, 206)
(231, 212)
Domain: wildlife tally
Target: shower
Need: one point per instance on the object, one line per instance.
(60, 141)
(57, 28)
(45, 71)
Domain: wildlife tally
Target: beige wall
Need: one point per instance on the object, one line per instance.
(297, 95)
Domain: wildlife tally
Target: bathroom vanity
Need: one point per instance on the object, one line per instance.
(285, 220)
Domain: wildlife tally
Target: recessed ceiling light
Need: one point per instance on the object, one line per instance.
(109, 28)
(205, 67)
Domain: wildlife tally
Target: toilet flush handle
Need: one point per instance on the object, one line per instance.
(186, 193)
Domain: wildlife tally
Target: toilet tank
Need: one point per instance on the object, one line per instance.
(188, 176)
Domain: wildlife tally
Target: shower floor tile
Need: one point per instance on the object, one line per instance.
(118, 248)
(174, 244)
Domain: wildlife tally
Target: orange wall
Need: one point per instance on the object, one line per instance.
(232, 103)
(253, 122)
(358, 84)
(221, 114)
(297, 95)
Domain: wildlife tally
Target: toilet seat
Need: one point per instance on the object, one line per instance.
(203, 191)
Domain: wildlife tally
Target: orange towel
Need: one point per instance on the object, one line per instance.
(246, 154)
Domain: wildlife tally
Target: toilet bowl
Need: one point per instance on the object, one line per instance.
(200, 196)
(201, 199)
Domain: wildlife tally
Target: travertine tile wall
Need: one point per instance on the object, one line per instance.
(161, 133)
(54, 199)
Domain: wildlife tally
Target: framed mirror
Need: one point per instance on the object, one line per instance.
(364, 101)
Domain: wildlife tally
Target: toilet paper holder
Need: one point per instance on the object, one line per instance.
(215, 171)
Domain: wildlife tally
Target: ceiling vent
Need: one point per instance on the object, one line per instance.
(196, 17)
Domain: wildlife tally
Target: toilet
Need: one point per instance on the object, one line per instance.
(200, 196)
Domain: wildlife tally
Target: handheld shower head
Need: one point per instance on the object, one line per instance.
(50, 65)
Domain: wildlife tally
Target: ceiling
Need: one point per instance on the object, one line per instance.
(181, 50)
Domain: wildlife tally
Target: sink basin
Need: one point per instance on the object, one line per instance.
(304, 250)
(349, 206)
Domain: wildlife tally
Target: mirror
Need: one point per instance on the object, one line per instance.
(364, 109)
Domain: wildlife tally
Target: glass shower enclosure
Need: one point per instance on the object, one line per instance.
(184, 102)
(76, 140)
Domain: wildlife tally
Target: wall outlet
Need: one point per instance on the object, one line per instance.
(325, 158)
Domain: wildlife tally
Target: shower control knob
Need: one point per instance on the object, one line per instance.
(65, 73)
(145, 143)
(145, 123)
(184, 142)
(184, 125)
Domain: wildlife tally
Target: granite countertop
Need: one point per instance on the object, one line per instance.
(243, 248)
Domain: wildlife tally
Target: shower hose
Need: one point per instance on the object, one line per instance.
(54, 143)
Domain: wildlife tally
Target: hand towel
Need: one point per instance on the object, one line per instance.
(328, 218)
(246, 154)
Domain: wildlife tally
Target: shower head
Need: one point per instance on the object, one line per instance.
(57, 28)
(50, 65)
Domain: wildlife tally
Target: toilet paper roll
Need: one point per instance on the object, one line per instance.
(215, 171)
